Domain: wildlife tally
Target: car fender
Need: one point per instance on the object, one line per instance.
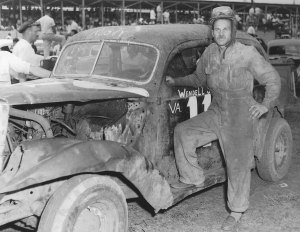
(41, 161)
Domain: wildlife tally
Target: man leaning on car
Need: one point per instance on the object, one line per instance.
(229, 69)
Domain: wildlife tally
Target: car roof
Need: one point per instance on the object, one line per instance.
(157, 35)
(165, 36)
(283, 42)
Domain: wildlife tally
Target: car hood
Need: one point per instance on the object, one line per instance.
(63, 90)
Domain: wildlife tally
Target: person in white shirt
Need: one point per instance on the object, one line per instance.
(48, 32)
(10, 64)
(56, 49)
(159, 14)
(71, 26)
(166, 16)
(23, 49)
(251, 30)
(152, 16)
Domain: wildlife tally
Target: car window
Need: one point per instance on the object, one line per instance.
(284, 50)
(78, 59)
(184, 63)
(126, 61)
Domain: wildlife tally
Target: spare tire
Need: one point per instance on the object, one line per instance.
(277, 154)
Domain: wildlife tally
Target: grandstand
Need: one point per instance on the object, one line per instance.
(81, 10)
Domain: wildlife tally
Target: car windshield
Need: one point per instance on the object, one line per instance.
(128, 61)
(78, 58)
(286, 50)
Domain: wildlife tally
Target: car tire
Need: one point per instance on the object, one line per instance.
(86, 203)
(277, 155)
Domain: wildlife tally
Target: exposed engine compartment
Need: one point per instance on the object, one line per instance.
(115, 120)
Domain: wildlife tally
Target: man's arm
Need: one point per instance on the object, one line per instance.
(198, 78)
(39, 72)
(266, 75)
(20, 66)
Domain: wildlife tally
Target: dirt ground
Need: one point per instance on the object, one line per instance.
(273, 206)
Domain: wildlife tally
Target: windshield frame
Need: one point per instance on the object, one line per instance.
(101, 77)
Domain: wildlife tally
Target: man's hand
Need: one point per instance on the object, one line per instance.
(39, 72)
(170, 80)
(257, 110)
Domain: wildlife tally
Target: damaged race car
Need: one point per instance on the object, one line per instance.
(100, 130)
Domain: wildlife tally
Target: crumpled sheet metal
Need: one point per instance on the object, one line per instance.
(40, 161)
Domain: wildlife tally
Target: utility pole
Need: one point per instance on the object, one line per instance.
(83, 14)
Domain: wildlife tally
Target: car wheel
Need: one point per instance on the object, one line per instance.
(276, 159)
(86, 203)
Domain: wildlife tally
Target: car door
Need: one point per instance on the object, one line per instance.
(185, 102)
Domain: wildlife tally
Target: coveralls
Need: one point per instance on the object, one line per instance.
(230, 77)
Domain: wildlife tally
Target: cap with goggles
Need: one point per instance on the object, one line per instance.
(222, 12)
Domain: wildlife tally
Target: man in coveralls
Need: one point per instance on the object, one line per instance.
(228, 68)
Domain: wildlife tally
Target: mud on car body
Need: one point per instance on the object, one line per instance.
(100, 130)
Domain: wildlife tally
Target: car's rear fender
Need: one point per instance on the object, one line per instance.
(47, 160)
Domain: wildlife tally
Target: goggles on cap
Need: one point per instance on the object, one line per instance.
(222, 12)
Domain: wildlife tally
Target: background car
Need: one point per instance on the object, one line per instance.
(285, 54)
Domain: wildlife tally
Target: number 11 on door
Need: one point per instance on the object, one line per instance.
(193, 104)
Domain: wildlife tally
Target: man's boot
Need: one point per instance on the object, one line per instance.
(231, 222)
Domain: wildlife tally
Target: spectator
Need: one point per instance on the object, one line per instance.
(264, 22)
(159, 14)
(71, 25)
(251, 31)
(48, 32)
(166, 16)
(23, 49)
(56, 49)
(152, 16)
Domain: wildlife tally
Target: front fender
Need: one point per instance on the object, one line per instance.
(45, 160)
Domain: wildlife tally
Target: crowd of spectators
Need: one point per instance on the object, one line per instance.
(254, 20)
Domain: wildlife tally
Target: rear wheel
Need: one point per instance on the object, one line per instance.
(86, 203)
(276, 159)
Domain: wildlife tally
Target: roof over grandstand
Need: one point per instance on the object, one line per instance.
(92, 3)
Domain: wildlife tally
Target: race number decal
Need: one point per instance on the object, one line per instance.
(193, 104)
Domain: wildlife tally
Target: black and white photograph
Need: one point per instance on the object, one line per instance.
(149, 115)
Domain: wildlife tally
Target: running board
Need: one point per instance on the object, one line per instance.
(211, 179)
